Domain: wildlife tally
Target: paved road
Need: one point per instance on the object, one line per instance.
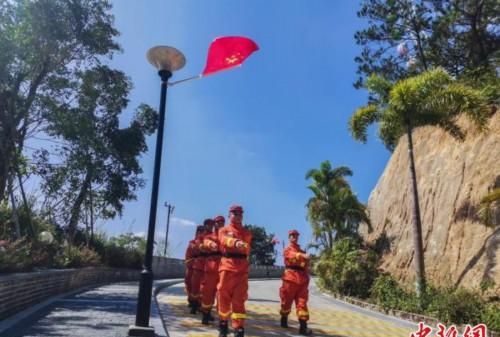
(105, 311)
(329, 317)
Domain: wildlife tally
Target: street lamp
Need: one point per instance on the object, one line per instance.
(166, 60)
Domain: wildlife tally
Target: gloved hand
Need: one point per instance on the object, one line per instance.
(241, 244)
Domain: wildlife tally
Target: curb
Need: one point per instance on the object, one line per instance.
(157, 287)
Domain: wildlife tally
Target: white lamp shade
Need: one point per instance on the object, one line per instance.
(166, 58)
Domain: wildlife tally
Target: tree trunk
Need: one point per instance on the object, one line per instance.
(330, 239)
(91, 215)
(416, 222)
(77, 207)
(15, 215)
(26, 206)
(87, 228)
(6, 154)
(477, 49)
(419, 43)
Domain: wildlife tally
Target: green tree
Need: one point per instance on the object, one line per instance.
(44, 47)
(432, 98)
(465, 34)
(459, 35)
(99, 160)
(334, 211)
(262, 247)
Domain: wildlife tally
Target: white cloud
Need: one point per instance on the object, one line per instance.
(183, 222)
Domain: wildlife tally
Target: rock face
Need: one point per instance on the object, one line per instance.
(452, 178)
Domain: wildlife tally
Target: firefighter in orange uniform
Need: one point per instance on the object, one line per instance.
(189, 261)
(232, 289)
(198, 269)
(295, 284)
(212, 255)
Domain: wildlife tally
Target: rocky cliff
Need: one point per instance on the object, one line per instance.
(452, 178)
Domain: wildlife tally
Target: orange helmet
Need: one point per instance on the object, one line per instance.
(236, 208)
(208, 222)
(219, 218)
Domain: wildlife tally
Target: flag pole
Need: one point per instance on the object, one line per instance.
(197, 77)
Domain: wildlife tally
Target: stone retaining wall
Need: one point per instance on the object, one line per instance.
(22, 290)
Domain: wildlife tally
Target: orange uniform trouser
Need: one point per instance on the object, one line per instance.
(208, 290)
(290, 292)
(195, 285)
(187, 281)
(232, 292)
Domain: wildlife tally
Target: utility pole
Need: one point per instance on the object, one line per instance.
(170, 210)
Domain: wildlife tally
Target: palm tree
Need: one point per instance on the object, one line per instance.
(334, 210)
(430, 98)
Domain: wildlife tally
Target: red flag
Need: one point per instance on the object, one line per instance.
(227, 52)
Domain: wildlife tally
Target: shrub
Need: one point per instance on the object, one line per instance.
(455, 306)
(386, 292)
(98, 243)
(43, 254)
(76, 257)
(491, 316)
(15, 256)
(121, 257)
(347, 269)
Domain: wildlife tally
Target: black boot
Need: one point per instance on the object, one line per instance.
(194, 307)
(205, 319)
(240, 332)
(303, 330)
(223, 330)
(284, 321)
(210, 317)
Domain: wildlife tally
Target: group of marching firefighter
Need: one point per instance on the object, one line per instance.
(217, 268)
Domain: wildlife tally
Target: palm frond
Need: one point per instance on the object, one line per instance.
(361, 119)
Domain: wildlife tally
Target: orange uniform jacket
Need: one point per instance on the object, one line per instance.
(189, 260)
(199, 260)
(212, 253)
(228, 236)
(211, 276)
(297, 270)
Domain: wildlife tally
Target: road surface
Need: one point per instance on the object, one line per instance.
(329, 317)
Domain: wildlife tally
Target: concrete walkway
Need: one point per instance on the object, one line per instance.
(105, 311)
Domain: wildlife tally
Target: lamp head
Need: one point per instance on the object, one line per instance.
(166, 58)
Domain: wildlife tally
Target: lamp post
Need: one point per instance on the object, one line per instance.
(166, 60)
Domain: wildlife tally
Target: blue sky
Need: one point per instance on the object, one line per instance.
(248, 135)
